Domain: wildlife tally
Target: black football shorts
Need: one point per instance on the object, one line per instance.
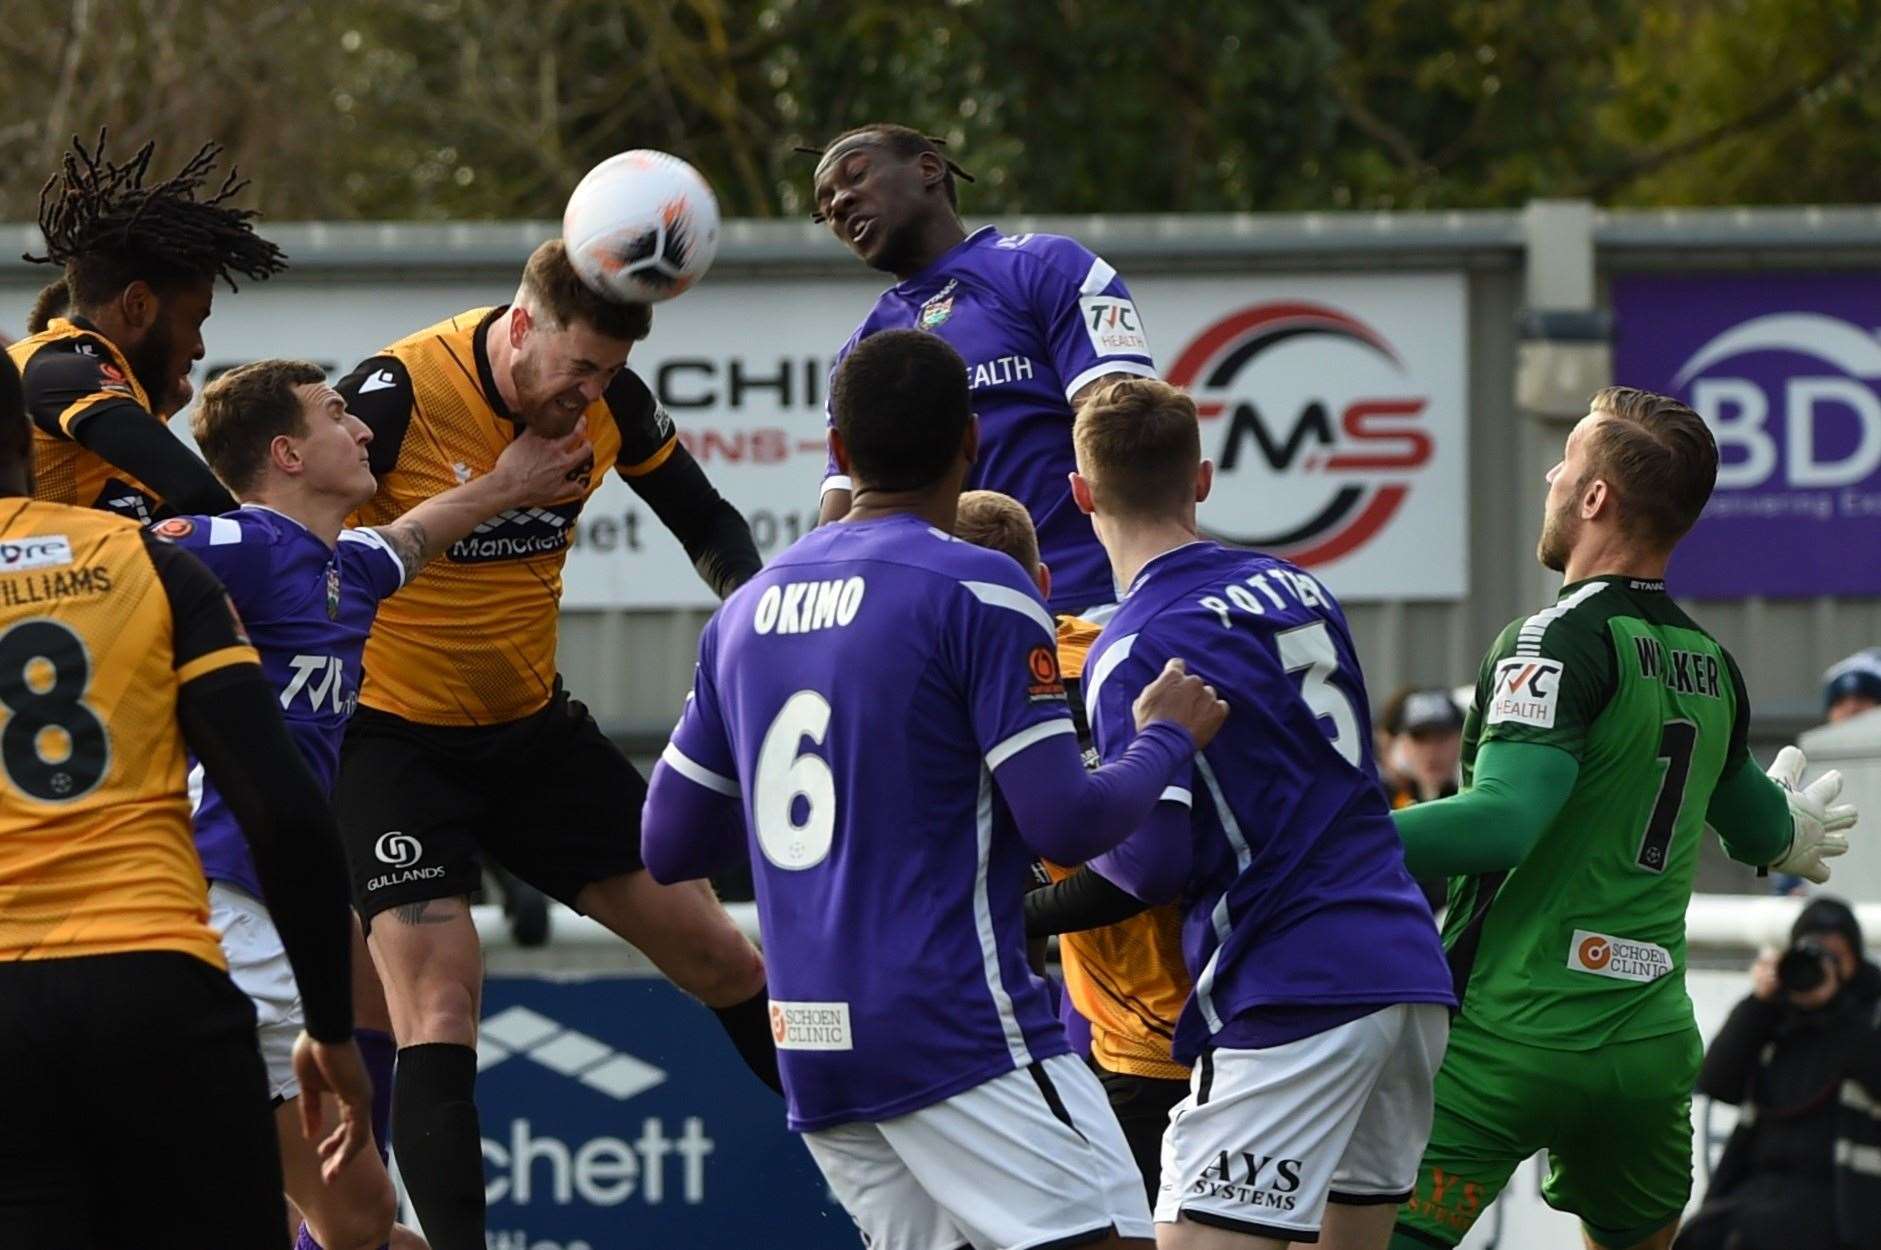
(548, 797)
(135, 1107)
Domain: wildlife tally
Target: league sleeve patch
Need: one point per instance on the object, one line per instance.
(1113, 325)
(1046, 681)
(1526, 691)
(177, 527)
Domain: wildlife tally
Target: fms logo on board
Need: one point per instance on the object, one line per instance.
(1319, 427)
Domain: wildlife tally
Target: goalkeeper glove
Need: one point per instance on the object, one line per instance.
(1818, 820)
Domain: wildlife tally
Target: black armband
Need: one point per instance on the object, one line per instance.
(142, 446)
(1083, 900)
(232, 722)
(713, 532)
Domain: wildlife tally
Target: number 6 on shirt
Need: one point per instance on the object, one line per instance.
(783, 776)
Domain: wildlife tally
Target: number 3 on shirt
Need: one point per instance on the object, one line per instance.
(1309, 648)
(785, 778)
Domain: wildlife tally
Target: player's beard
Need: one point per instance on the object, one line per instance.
(150, 365)
(1560, 527)
(535, 405)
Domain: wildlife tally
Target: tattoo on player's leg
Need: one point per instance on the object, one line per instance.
(430, 911)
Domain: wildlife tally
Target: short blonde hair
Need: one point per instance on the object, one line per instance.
(998, 523)
(1139, 444)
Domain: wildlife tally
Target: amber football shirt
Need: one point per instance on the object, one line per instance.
(471, 639)
(100, 628)
(70, 372)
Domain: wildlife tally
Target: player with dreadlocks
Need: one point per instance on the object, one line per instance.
(1039, 319)
(140, 260)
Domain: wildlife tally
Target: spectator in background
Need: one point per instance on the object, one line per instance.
(1802, 1057)
(1420, 753)
(1422, 733)
(1852, 686)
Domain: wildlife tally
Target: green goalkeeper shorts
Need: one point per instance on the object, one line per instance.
(1616, 1122)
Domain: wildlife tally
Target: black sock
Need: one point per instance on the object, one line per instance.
(748, 1024)
(440, 1150)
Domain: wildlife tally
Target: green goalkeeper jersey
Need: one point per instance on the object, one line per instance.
(1583, 942)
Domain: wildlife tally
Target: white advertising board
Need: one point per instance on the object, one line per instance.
(1334, 406)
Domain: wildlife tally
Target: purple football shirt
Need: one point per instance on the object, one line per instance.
(1036, 317)
(307, 608)
(1297, 905)
(857, 695)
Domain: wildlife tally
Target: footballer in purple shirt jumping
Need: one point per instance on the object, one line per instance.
(1037, 318)
(1321, 1003)
(878, 724)
(307, 590)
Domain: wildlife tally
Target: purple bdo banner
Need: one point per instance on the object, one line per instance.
(1786, 368)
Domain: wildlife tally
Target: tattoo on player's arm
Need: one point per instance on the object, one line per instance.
(410, 542)
(431, 911)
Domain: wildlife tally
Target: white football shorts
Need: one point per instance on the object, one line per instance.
(1031, 1158)
(1267, 1137)
(258, 964)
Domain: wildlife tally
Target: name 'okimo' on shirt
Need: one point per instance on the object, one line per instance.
(889, 875)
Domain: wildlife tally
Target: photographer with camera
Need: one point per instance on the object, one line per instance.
(1801, 1057)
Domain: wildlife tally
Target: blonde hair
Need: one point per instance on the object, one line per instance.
(1139, 444)
(998, 523)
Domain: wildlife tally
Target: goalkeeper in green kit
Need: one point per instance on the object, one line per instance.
(1607, 731)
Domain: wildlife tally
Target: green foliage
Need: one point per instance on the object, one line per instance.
(380, 109)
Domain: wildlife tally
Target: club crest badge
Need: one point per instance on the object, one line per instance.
(936, 311)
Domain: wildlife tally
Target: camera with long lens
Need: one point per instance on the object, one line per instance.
(1802, 967)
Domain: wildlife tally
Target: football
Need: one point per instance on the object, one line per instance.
(641, 227)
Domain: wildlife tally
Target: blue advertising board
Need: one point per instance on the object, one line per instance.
(1786, 369)
(617, 1116)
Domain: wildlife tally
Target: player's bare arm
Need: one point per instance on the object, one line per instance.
(334, 1068)
(532, 470)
